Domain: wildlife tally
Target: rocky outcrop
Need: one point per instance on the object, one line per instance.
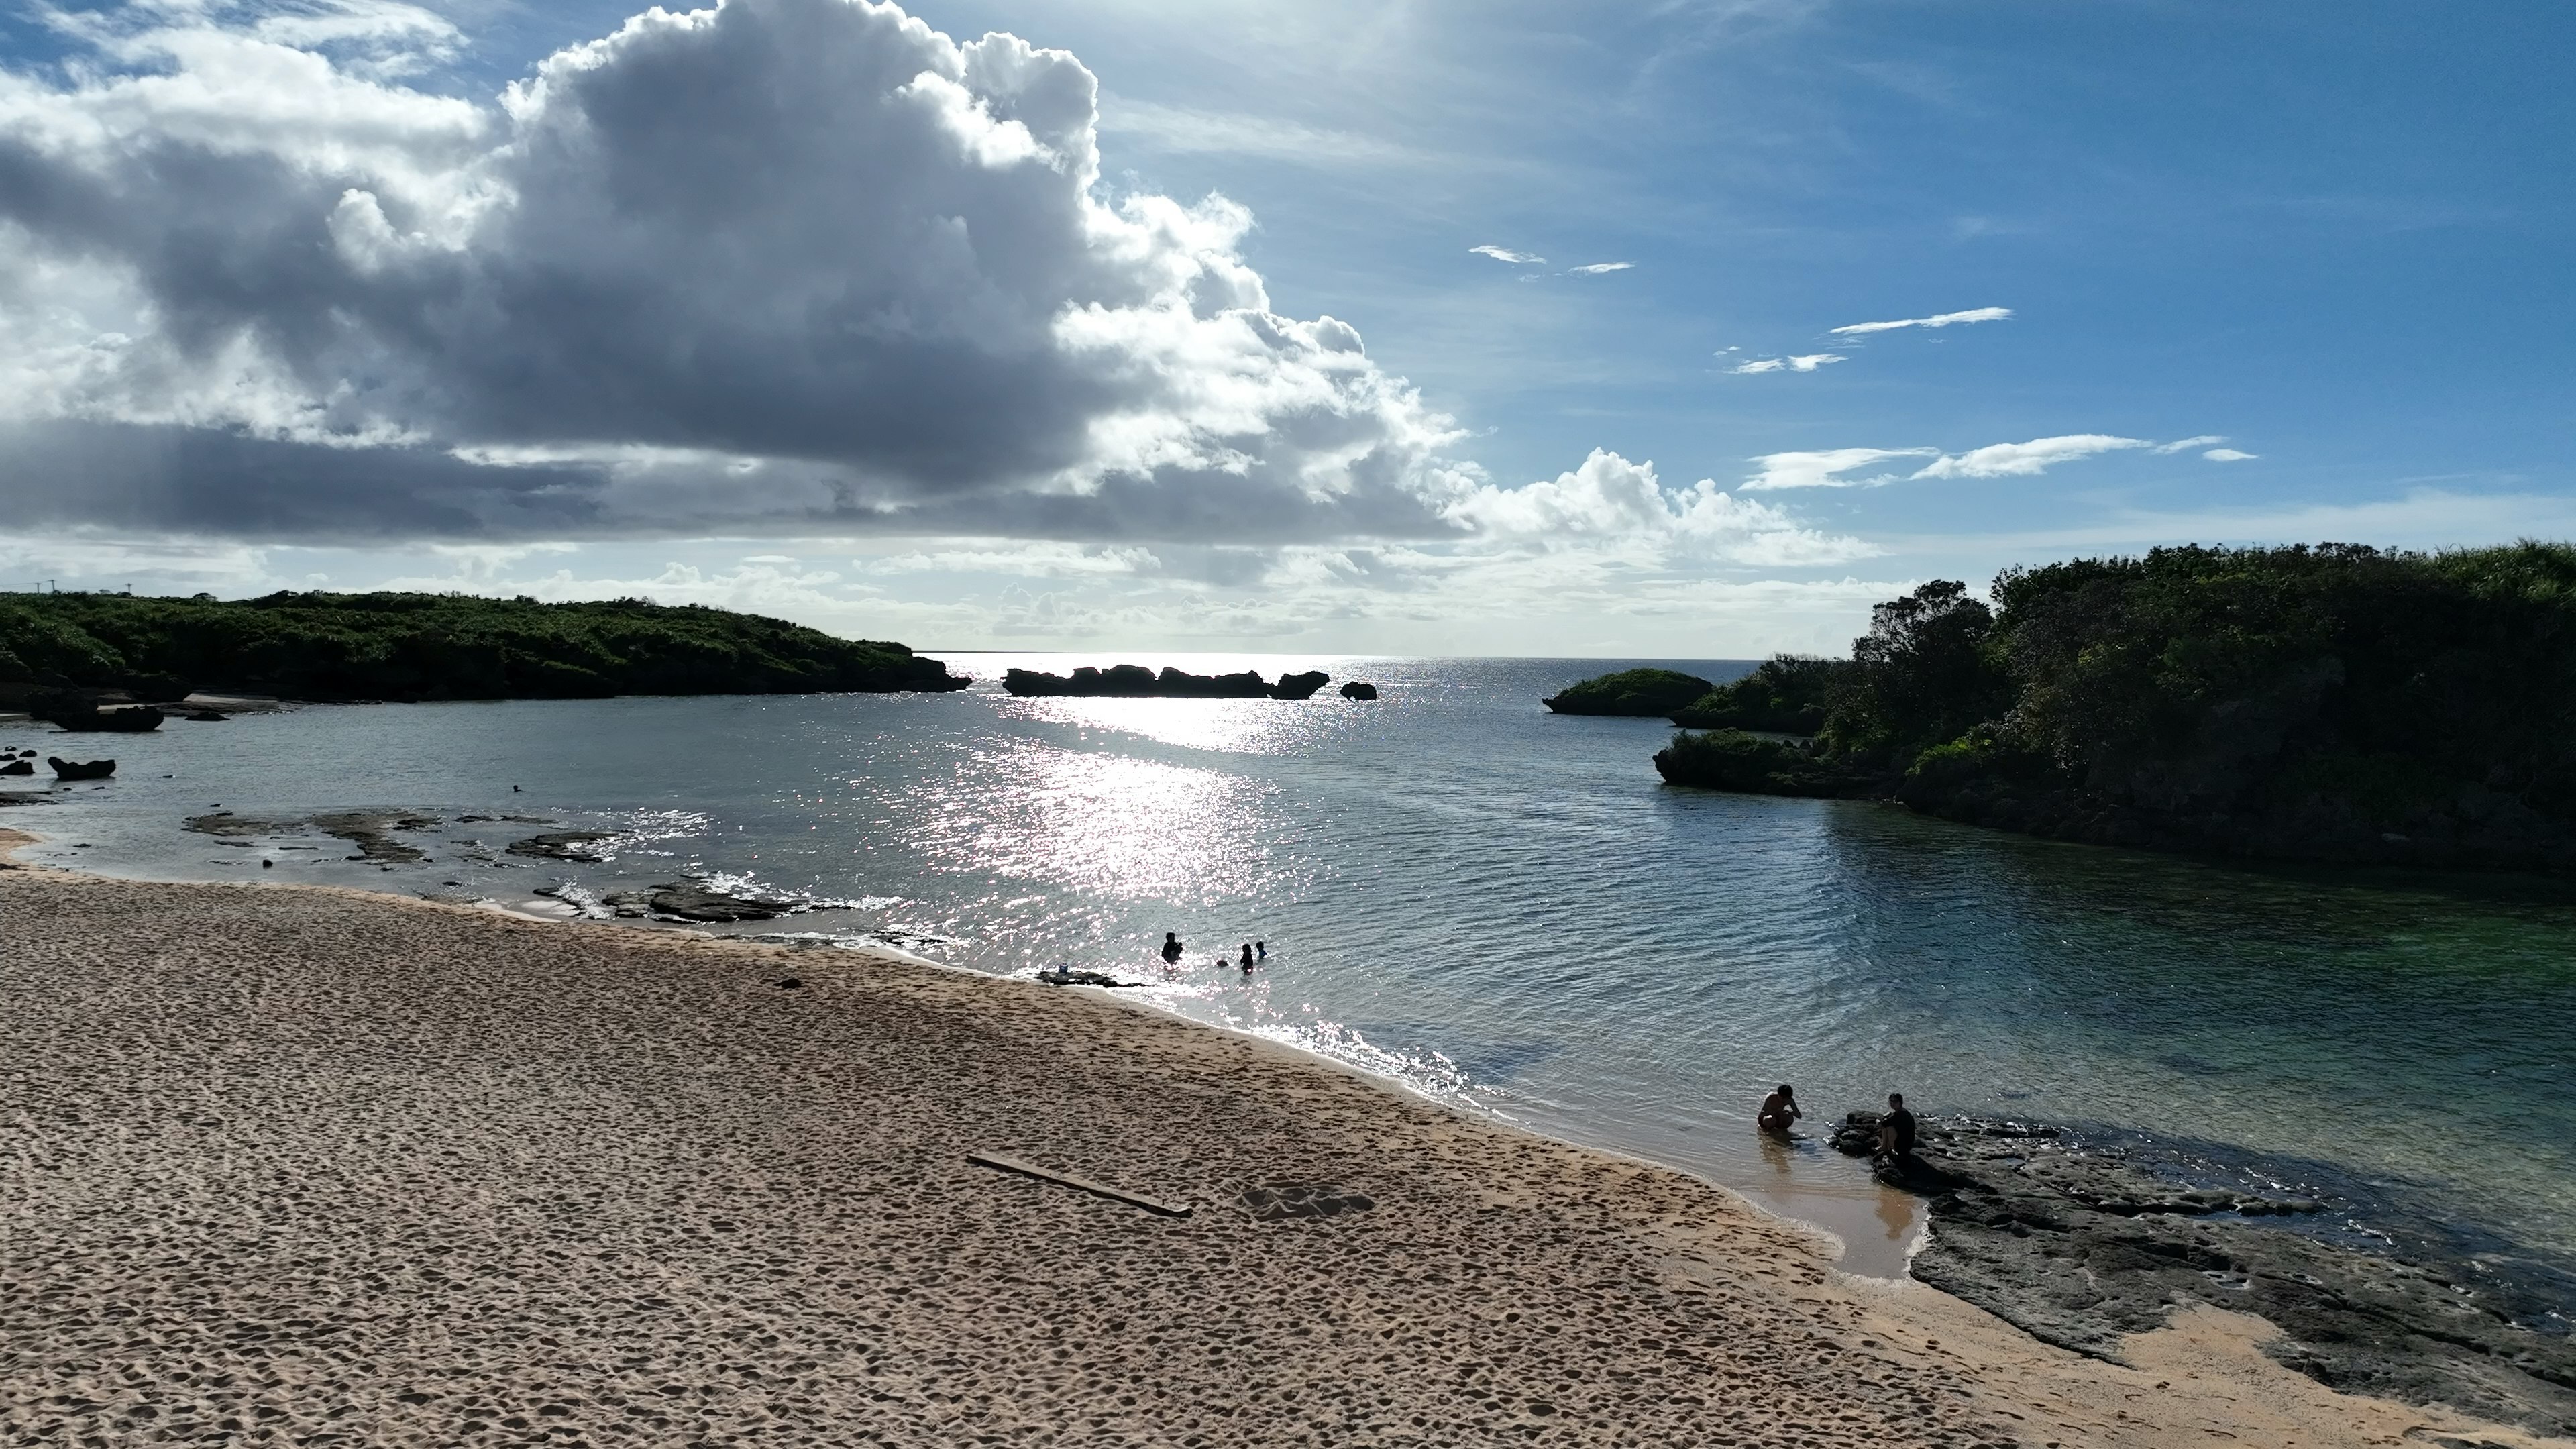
(572, 845)
(1358, 689)
(693, 901)
(2081, 1247)
(1135, 681)
(80, 769)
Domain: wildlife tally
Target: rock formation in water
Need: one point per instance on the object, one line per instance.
(1358, 689)
(572, 845)
(2081, 1247)
(1636, 692)
(1137, 682)
(81, 769)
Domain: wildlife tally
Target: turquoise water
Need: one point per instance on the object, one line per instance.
(1509, 910)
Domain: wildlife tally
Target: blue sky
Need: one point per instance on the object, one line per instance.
(2330, 239)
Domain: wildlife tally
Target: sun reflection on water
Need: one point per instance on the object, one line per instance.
(1129, 828)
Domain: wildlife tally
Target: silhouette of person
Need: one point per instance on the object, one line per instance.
(1171, 948)
(1263, 948)
(1895, 1131)
(1247, 956)
(1779, 1111)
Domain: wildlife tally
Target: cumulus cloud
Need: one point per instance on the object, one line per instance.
(783, 265)
(1594, 269)
(1506, 254)
(1611, 498)
(2010, 460)
(1808, 363)
(1825, 469)
(1973, 314)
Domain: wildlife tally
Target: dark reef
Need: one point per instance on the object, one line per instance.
(1135, 681)
(2080, 1247)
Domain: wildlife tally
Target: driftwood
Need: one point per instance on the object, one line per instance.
(999, 1163)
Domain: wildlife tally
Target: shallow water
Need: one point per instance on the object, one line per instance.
(1507, 908)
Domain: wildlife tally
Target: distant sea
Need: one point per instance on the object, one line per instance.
(1507, 910)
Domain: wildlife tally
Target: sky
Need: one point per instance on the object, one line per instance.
(1684, 328)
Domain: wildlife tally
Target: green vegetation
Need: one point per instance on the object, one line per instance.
(429, 646)
(2329, 702)
(1631, 692)
(1786, 694)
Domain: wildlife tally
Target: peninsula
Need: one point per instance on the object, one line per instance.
(387, 646)
(2326, 703)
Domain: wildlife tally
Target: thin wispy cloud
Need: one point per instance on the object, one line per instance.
(2021, 460)
(1594, 269)
(1825, 469)
(1506, 254)
(2185, 445)
(2228, 455)
(1945, 319)
(1807, 363)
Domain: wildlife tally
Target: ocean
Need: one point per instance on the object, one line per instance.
(1503, 909)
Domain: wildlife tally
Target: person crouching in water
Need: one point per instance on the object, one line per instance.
(1779, 1111)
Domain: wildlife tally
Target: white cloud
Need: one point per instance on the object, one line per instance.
(1808, 363)
(2009, 460)
(2228, 455)
(1824, 469)
(2187, 444)
(1594, 269)
(251, 285)
(1180, 130)
(1609, 498)
(1506, 254)
(1974, 314)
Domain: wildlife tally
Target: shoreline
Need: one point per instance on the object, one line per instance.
(303, 1054)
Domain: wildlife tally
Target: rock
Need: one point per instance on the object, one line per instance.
(2082, 1247)
(1137, 682)
(372, 834)
(563, 845)
(1356, 689)
(791, 983)
(81, 769)
(209, 716)
(1273, 1201)
(689, 901)
(1067, 976)
(18, 767)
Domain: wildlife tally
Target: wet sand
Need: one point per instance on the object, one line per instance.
(298, 1165)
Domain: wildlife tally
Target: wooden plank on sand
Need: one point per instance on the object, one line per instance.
(1000, 1163)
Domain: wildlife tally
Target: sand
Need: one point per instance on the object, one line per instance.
(288, 1165)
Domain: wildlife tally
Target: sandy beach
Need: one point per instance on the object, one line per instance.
(292, 1165)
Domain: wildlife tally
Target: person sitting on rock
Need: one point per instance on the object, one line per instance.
(1171, 948)
(1895, 1133)
(1779, 1111)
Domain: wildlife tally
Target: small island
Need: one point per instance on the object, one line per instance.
(2317, 703)
(1636, 693)
(405, 647)
(1135, 681)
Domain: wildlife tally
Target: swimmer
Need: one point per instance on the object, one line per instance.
(1779, 1111)
(1171, 948)
(1246, 962)
(1262, 947)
